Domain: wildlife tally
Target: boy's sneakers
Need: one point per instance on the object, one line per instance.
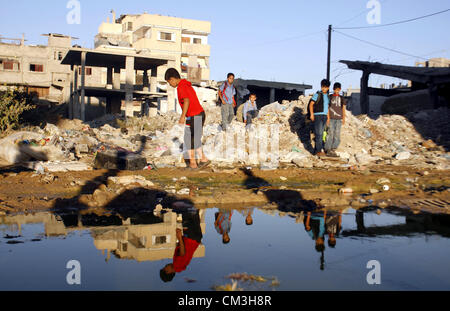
(332, 154)
(321, 154)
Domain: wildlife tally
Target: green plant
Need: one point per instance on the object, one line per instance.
(13, 103)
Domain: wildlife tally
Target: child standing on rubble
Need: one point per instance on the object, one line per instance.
(318, 110)
(336, 118)
(193, 116)
(227, 91)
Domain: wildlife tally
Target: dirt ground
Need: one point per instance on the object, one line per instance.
(287, 189)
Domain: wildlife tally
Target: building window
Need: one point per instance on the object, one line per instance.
(58, 55)
(197, 41)
(36, 68)
(6, 64)
(87, 71)
(166, 36)
(161, 239)
(186, 40)
(128, 26)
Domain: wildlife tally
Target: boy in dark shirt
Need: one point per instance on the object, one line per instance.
(336, 118)
(318, 110)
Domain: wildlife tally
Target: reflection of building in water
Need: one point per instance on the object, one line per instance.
(144, 242)
(53, 225)
(141, 237)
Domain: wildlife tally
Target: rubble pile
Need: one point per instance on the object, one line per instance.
(389, 139)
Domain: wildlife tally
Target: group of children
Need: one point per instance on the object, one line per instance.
(326, 111)
(227, 91)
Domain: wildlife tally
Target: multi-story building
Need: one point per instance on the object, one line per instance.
(38, 70)
(36, 67)
(155, 35)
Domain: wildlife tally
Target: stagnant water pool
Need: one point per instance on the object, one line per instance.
(267, 250)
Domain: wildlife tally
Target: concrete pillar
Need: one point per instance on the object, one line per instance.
(152, 107)
(116, 78)
(83, 82)
(109, 78)
(162, 105)
(171, 102)
(76, 97)
(272, 95)
(145, 82)
(129, 85)
(364, 96)
(71, 94)
(154, 80)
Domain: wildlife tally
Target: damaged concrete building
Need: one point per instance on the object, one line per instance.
(158, 36)
(177, 42)
(131, 97)
(429, 87)
(37, 68)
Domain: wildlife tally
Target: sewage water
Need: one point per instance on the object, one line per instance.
(127, 253)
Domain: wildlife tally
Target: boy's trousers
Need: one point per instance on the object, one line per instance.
(333, 135)
(320, 121)
(227, 115)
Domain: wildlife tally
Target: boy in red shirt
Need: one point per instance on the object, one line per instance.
(186, 247)
(193, 116)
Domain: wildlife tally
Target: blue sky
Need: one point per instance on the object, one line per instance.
(269, 40)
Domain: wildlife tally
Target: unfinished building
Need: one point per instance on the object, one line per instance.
(131, 97)
(430, 84)
(158, 36)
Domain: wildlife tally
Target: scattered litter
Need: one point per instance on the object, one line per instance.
(346, 190)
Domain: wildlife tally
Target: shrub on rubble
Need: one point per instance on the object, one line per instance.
(13, 103)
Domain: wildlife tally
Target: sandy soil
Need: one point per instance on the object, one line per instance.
(287, 189)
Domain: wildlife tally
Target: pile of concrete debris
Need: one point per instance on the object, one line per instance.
(281, 134)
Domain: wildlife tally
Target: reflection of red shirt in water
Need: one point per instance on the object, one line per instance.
(180, 263)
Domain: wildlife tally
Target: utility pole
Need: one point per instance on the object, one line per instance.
(329, 52)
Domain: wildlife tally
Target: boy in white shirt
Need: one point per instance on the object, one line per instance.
(250, 110)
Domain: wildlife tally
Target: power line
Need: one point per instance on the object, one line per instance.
(379, 46)
(396, 23)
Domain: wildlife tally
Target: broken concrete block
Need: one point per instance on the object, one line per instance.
(81, 148)
(112, 159)
(405, 155)
(382, 181)
(129, 180)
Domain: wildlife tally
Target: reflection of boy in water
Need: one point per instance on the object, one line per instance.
(223, 224)
(188, 241)
(315, 227)
(333, 223)
(247, 213)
